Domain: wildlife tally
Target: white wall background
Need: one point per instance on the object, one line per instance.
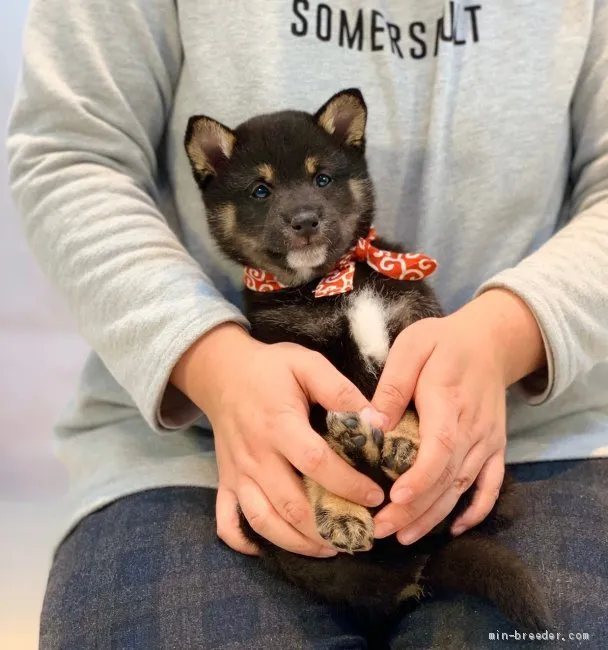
(40, 356)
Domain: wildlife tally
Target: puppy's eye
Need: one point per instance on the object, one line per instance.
(261, 191)
(322, 180)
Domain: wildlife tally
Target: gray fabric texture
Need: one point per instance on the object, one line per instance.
(148, 573)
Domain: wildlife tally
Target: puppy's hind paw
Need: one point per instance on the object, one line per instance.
(348, 527)
(400, 446)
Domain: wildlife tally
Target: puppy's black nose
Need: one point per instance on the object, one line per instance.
(305, 223)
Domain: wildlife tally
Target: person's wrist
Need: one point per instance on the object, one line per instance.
(218, 353)
(511, 328)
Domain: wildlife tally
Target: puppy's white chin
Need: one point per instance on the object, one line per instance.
(305, 259)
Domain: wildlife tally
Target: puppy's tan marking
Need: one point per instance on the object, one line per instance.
(225, 215)
(207, 134)
(413, 590)
(347, 526)
(311, 164)
(266, 172)
(345, 109)
(408, 427)
(362, 194)
(401, 446)
(358, 189)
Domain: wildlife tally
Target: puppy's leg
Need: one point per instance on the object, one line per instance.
(347, 526)
(401, 446)
(399, 452)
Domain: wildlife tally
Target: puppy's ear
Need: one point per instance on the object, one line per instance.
(209, 145)
(344, 117)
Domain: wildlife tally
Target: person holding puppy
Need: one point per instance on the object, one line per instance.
(488, 151)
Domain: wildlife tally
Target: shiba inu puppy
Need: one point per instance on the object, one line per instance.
(288, 196)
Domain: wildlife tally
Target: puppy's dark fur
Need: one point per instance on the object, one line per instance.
(266, 191)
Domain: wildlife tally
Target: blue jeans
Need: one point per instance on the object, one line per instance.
(148, 573)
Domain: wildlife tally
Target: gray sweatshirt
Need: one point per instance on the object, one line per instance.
(488, 144)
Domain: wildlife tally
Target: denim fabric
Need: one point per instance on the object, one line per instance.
(148, 573)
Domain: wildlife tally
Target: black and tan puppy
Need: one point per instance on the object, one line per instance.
(288, 196)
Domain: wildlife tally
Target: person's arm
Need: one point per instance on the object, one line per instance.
(457, 368)
(565, 282)
(96, 90)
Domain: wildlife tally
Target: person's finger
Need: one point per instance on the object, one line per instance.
(227, 522)
(323, 384)
(407, 357)
(375, 418)
(436, 462)
(442, 506)
(285, 491)
(308, 452)
(265, 520)
(395, 516)
(487, 490)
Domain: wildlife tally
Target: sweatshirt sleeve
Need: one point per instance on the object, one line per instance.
(95, 94)
(565, 282)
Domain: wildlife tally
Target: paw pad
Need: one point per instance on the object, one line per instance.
(398, 455)
(353, 438)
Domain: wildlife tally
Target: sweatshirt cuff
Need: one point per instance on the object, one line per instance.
(166, 408)
(544, 384)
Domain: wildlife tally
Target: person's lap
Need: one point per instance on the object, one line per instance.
(148, 572)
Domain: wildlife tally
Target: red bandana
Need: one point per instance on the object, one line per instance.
(399, 266)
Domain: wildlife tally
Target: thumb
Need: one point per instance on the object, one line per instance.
(323, 384)
(408, 355)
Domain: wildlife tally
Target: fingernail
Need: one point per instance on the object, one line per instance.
(374, 498)
(458, 530)
(383, 529)
(402, 495)
(373, 417)
(328, 552)
(407, 538)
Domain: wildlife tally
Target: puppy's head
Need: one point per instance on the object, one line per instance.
(288, 192)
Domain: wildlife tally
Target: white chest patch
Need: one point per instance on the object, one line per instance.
(367, 319)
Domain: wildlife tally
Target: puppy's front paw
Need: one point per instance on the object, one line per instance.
(354, 439)
(401, 446)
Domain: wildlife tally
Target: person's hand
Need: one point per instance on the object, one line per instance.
(257, 397)
(457, 370)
